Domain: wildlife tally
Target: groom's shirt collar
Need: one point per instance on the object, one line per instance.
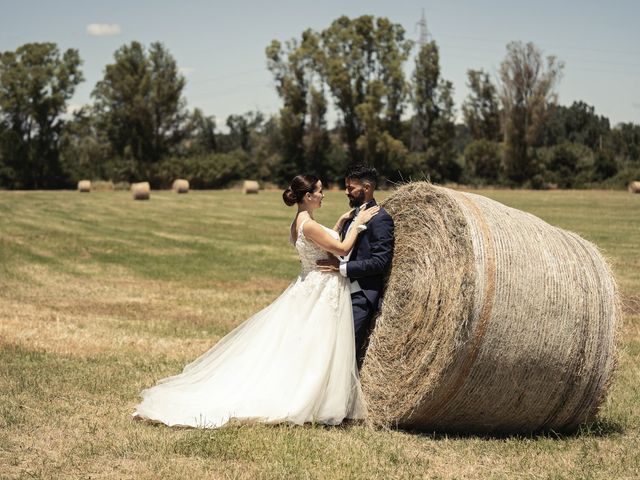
(362, 207)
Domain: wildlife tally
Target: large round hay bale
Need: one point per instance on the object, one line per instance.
(634, 187)
(250, 186)
(84, 186)
(141, 190)
(492, 320)
(180, 186)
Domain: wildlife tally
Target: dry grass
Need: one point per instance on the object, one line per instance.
(61, 314)
(90, 316)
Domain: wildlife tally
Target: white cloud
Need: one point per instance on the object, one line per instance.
(186, 71)
(103, 29)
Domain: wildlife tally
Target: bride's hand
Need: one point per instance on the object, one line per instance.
(366, 215)
(348, 215)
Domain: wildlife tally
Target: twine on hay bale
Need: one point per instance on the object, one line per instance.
(250, 186)
(141, 190)
(634, 187)
(180, 186)
(84, 186)
(492, 320)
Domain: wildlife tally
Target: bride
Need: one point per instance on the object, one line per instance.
(293, 361)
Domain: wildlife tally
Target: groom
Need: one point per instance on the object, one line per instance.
(370, 258)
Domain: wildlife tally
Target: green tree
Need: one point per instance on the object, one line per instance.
(266, 154)
(289, 65)
(36, 82)
(527, 95)
(297, 73)
(425, 95)
(241, 131)
(577, 124)
(84, 149)
(140, 106)
(482, 161)
(201, 130)
(605, 165)
(481, 109)
(316, 139)
(433, 127)
(257, 142)
(362, 63)
(625, 146)
(583, 126)
(625, 139)
(563, 164)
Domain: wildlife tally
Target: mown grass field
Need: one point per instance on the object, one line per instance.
(100, 296)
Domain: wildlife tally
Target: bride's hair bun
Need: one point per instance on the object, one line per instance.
(289, 197)
(300, 186)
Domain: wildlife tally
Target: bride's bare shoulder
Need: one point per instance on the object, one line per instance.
(311, 227)
(302, 219)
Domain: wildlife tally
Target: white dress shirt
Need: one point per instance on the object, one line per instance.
(355, 286)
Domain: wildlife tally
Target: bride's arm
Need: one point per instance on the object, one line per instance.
(318, 235)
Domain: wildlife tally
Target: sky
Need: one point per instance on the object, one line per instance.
(219, 45)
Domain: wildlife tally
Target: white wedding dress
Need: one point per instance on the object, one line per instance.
(293, 362)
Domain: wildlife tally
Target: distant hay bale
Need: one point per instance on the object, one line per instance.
(250, 186)
(141, 190)
(84, 186)
(634, 187)
(492, 320)
(180, 186)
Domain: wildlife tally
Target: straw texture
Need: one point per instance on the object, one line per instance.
(250, 186)
(492, 320)
(180, 186)
(84, 186)
(141, 191)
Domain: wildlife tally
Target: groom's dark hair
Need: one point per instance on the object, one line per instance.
(363, 173)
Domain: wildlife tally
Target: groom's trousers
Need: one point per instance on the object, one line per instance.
(363, 313)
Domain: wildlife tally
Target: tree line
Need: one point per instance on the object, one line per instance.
(513, 131)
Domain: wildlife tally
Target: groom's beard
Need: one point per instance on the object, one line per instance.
(355, 202)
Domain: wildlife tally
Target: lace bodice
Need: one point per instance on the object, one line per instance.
(308, 251)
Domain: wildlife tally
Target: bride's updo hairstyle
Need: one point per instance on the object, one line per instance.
(299, 187)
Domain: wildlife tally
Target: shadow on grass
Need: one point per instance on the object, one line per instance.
(600, 428)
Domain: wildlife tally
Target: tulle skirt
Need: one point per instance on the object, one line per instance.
(293, 361)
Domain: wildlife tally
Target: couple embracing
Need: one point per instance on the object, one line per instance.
(297, 360)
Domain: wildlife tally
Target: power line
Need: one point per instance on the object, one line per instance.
(501, 51)
(237, 89)
(224, 77)
(567, 47)
(564, 58)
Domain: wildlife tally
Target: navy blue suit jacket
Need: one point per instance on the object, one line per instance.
(371, 255)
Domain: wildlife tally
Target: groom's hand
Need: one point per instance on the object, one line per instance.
(331, 264)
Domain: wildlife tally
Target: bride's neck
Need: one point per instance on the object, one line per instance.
(305, 209)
